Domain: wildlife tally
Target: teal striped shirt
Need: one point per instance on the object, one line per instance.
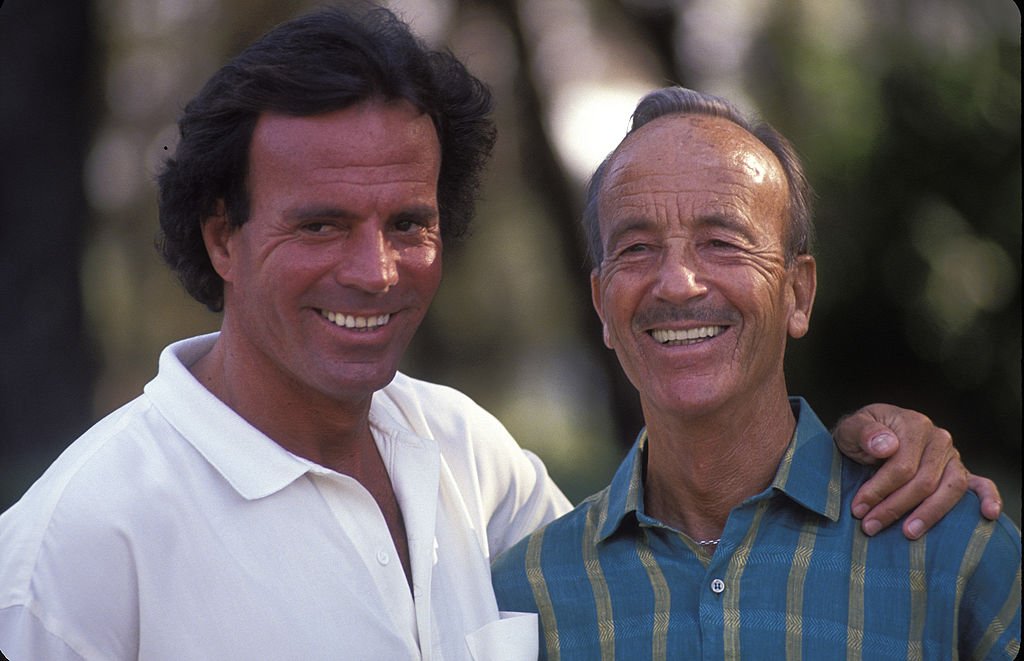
(793, 577)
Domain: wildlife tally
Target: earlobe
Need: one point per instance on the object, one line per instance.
(216, 232)
(804, 284)
(595, 298)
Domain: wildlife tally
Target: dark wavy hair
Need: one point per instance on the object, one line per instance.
(324, 61)
(682, 101)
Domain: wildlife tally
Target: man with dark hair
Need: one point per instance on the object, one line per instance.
(727, 531)
(280, 490)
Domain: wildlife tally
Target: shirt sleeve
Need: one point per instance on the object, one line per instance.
(989, 617)
(23, 637)
(532, 500)
(503, 485)
(68, 587)
(511, 586)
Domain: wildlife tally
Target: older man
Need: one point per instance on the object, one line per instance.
(279, 491)
(727, 532)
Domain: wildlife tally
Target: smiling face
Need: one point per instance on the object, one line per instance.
(327, 281)
(693, 290)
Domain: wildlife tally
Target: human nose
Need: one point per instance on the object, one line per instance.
(678, 276)
(370, 264)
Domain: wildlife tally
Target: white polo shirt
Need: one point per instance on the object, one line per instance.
(175, 530)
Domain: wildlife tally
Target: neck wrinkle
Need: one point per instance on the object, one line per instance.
(699, 468)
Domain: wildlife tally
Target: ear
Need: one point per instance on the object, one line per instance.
(595, 297)
(803, 284)
(217, 232)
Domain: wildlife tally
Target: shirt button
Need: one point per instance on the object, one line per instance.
(383, 557)
(718, 586)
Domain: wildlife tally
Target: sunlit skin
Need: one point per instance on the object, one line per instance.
(692, 219)
(343, 219)
(344, 223)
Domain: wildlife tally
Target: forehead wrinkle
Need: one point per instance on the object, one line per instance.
(370, 174)
(730, 199)
(681, 168)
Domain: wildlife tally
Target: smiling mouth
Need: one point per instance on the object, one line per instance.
(355, 322)
(671, 337)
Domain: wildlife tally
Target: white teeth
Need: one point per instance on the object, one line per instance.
(350, 321)
(689, 336)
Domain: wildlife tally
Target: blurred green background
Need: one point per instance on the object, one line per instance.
(907, 113)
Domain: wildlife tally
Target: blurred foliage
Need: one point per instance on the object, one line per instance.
(907, 113)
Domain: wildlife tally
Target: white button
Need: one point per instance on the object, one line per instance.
(383, 557)
(718, 586)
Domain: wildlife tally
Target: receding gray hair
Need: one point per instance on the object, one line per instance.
(682, 101)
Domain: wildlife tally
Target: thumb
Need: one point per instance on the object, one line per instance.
(869, 434)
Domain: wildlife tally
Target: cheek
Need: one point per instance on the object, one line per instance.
(423, 265)
(618, 312)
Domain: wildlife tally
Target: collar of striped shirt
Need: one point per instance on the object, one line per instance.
(809, 474)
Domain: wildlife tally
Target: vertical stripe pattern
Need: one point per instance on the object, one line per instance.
(918, 599)
(662, 601)
(793, 578)
(997, 628)
(731, 596)
(602, 598)
(795, 590)
(541, 597)
(971, 557)
(855, 616)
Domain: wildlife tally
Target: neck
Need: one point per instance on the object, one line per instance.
(332, 433)
(700, 467)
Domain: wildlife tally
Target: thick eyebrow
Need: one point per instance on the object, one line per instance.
(415, 213)
(420, 213)
(318, 212)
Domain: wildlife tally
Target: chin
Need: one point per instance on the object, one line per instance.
(689, 399)
(349, 385)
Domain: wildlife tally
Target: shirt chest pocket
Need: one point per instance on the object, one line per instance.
(511, 638)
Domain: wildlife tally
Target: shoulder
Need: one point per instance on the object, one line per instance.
(94, 475)
(983, 545)
(975, 563)
(557, 543)
(69, 537)
(467, 436)
(548, 563)
(426, 407)
(509, 487)
(86, 470)
(961, 547)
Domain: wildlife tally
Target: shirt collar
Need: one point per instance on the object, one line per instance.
(253, 464)
(809, 474)
(626, 491)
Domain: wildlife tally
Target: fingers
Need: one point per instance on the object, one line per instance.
(910, 474)
(928, 513)
(934, 487)
(988, 493)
